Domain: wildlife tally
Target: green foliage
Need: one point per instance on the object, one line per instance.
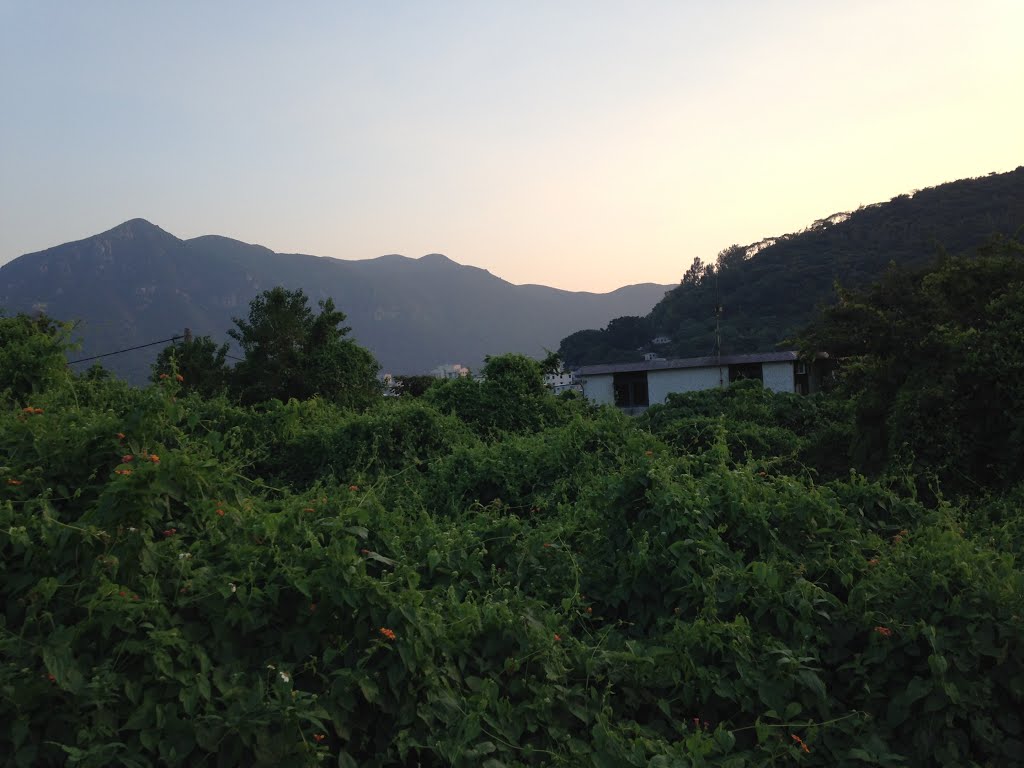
(788, 432)
(934, 361)
(489, 576)
(31, 356)
(201, 364)
(510, 398)
(290, 352)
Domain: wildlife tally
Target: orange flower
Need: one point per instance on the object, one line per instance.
(800, 741)
(648, 453)
(558, 638)
(884, 631)
(12, 481)
(154, 458)
(163, 376)
(318, 737)
(353, 488)
(308, 509)
(122, 472)
(388, 633)
(179, 377)
(120, 435)
(37, 410)
(220, 512)
(873, 562)
(127, 458)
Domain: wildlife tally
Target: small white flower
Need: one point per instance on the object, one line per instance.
(184, 555)
(233, 587)
(271, 666)
(284, 677)
(132, 530)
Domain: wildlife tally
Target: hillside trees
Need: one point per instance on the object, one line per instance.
(292, 352)
(779, 289)
(934, 361)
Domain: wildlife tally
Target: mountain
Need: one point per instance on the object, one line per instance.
(771, 289)
(137, 283)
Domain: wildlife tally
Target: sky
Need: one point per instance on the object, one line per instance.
(581, 144)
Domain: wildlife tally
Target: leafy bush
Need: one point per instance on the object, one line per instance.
(187, 581)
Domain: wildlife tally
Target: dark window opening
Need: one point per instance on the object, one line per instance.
(630, 389)
(745, 371)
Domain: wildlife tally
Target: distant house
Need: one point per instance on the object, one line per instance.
(562, 381)
(635, 386)
(454, 371)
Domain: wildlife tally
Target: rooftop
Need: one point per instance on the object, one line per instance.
(711, 361)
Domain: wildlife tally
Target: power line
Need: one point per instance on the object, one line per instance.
(129, 349)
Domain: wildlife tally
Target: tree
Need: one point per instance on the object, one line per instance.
(933, 360)
(199, 361)
(32, 355)
(511, 397)
(290, 352)
(697, 272)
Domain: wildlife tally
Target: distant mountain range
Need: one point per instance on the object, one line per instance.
(770, 290)
(137, 283)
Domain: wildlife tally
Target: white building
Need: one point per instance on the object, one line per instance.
(453, 371)
(563, 381)
(634, 386)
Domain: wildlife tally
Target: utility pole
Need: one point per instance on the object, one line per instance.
(188, 335)
(718, 332)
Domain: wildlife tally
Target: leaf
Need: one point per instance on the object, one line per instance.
(47, 587)
(812, 681)
(381, 559)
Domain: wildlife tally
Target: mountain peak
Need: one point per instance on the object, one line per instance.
(436, 258)
(135, 229)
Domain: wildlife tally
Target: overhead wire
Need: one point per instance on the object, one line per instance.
(122, 351)
(140, 346)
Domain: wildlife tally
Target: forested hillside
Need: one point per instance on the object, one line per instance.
(246, 573)
(769, 290)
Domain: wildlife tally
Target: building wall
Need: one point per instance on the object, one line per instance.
(778, 376)
(599, 390)
(661, 383)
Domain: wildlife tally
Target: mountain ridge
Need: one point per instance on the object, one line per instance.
(136, 282)
(754, 297)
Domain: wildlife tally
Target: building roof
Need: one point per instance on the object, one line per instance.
(712, 361)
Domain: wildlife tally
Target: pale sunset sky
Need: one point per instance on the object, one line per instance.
(581, 144)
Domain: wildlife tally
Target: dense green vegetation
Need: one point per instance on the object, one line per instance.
(489, 575)
(290, 352)
(767, 291)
